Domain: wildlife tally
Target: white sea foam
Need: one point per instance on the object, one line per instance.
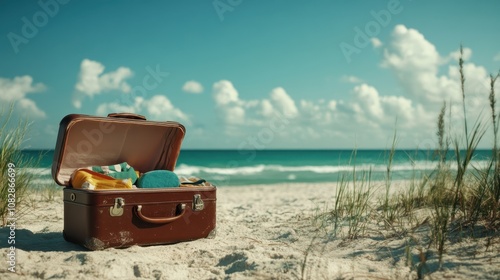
(42, 182)
(37, 171)
(42, 176)
(184, 169)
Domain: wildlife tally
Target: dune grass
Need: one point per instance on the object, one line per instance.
(447, 204)
(12, 136)
(351, 206)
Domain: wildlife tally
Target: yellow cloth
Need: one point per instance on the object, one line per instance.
(90, 180)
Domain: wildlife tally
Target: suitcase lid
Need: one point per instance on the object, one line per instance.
(85, 140)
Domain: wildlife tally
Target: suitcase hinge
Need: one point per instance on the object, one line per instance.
(117, 209)
(198, 203)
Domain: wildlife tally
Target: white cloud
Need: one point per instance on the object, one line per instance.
(251, 104)
(454, 56)
(28, 106)
(15, 90)
(376, 43)
(351, 79)
(239, 114)
(332, 105)
(192, 87)
(92, 81)
(229, 106)
(384, 110)
(234, 115)
(106, 108)
(283, 103)
(315, 112)
(497, 57)
(267, 109)
(418, 67)
(224, 93)
(368, 99)
(416, 63)
(233, 110)
(411, 51)
(369, 117)
(158, 108)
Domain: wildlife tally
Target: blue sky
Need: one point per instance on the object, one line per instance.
(251, 74)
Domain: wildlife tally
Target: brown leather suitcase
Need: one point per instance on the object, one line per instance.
(99, 219)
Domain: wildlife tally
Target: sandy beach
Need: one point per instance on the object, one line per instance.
(263, 232)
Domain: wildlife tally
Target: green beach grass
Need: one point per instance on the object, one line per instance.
(16, 194)
(448, 206)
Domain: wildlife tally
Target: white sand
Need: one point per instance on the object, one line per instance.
(263, 232)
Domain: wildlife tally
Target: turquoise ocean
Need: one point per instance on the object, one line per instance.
(249, 167)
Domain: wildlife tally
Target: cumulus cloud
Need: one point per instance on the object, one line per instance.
(105, 108)
(454, 56)
(15, 90)
(368, 99)
(416, 63)
(235, 111)
(283, 103)
(368, 116)
(158, 107)
(192, 87)
(267, 109)
(410, 50)
(93, 81)
(497, 57)
(376, 43)
(29, 107)
(224, 93)
(351, 79)
(316, 111)
(230, 107)
(427, 78)
(332, 105)
(384, 110)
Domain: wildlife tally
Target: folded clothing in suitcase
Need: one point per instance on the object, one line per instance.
(99, 219)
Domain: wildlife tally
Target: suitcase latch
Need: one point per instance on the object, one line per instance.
(117, 209)
(198, 203)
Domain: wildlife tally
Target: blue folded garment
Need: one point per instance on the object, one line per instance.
(158, 179)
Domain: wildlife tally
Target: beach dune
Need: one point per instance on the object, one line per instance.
(263, 232)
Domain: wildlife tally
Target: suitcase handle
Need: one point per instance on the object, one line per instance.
(160, 220)
(127, 116)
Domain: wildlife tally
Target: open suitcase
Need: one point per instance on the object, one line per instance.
(99, 219)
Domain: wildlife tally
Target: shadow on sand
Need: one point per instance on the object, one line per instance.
(466, 255)
(42, 241)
